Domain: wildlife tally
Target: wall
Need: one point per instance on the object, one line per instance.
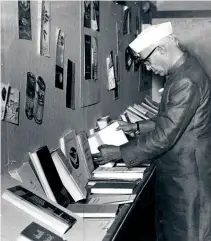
(194, 33)
(20, 56)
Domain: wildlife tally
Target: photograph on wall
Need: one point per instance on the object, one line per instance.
(13, 107)
(127, 25)
(94, 59)
(5, 88)
(59, 60)
(87, 56)
(39, 100)
(95, 16)
(24, 19)
(30, 95)
(110, 71)
(87, 14)
(45, 29)
(118, 36)
(70, 88)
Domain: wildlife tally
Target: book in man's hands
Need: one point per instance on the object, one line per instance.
(94, 210)
(68, 176)
(124, 173)
(113, 188)
(34, 232)
(39, 208)
(109, 135)
(70, 147)
(49, 177)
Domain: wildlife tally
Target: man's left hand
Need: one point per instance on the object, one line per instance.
(107, 153)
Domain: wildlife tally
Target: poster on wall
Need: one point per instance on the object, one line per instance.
(87, 14)
(35, 97)
(59, 60)
(95, 16)
(70, 88)
(94, 59)
(87, 56)
(24, 19)
(118, 36)
(110, 71)
(13, 107)
(117, 69)
(5, 88)
(45, 29)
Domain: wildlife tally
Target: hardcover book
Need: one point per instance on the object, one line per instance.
(34, 232)
(49, 176)
(68, 176)
(40, 209)
(70, 148)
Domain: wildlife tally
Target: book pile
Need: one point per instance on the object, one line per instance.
(139, 112)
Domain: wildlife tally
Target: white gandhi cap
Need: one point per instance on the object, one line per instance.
(150, 36)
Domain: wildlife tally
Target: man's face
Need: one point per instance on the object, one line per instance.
(157, 62)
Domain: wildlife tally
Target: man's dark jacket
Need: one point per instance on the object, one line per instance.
(181, 142)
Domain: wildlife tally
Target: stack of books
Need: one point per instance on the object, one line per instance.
(139, 112)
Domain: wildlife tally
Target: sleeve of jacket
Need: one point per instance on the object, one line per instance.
(183, 100)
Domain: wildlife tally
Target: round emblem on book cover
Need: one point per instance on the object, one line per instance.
(73, 156)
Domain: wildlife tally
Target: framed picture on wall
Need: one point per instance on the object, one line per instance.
(87, 14)
(95, 16)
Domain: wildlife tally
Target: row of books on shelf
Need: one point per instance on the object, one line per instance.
(64, 181)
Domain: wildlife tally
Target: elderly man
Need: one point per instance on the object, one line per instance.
(179, 138)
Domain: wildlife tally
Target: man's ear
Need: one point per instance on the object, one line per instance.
(162, 50)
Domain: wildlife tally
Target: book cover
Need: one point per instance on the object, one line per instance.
(94, 210)
(85, 152)
(69, 146)
(68, 176)
(39, 208)
(49, 176)
(104, 137)
(13, 107)
(113, 188)
(34, 232)
(4, 97)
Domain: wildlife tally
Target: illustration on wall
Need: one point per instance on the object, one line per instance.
(87, 56)
(45, 29)
(13, 107)
(4, 97)
(87, 14)
(94, 59)
(35, 98)
(117, 68)
(59, 60)
(70, 88)
(118, 36)
(24, 19)
(95, 16)
(110, 71)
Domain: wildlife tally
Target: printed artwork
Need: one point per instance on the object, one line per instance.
(45, 29)
(4, 97)
(13, 106)
(110, 72)
(87, 14)
(70, 89)
(94, 59)
(24, 19)
(35, 98)
(95, 16)
(87, 56)
(59, 78)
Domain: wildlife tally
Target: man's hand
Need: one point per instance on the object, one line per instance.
(107, 153)
(128, 128)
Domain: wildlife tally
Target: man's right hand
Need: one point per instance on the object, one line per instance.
(128, 128)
